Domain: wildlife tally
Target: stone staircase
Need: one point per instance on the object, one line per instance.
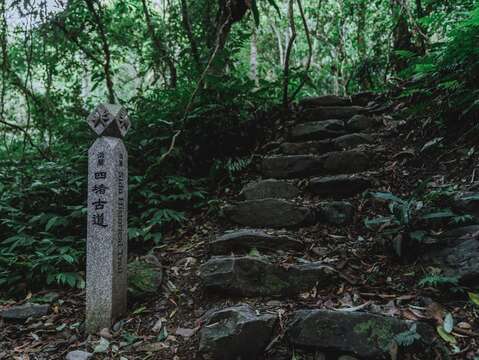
(307, 181)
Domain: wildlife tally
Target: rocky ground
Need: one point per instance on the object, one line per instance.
(288, 268)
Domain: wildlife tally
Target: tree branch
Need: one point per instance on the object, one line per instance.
(288, 53)
(159, 46)
(106, 49)
(310, 53)
(189, 33)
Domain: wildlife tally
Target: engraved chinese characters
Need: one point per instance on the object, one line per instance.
(106, 280)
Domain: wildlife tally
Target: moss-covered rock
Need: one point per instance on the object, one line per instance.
(365, 335)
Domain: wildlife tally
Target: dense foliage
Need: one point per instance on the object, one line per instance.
(197, 78)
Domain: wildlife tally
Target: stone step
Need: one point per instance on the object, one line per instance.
(237, 332)
(259, 276)
(270, 188)
(331, 112)
(331, 129)
(365, 335)
(308, 147)
(244, 240)
(352, 140)
(319, 147)
(339, 186)
(325, 100)
(278, 213)
(318, 130)
(362, 123)
(298, 166)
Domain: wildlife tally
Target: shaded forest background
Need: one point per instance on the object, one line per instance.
(202, 81)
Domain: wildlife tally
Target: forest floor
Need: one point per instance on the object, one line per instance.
(166, 326)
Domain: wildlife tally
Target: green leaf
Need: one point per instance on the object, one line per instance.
(474, 297)
(387, 196)
(448, 323)
(140, 310)
(445, 336)
(446, 214)
(254, 252)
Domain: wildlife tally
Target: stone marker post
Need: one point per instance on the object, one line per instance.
(106, 275)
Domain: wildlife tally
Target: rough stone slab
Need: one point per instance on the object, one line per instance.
(270, 188)
(459, 260)
(326, 100)
(339, 186)
(107, 242)
(257, 276)
(335, 213)
(318, 147)
(268, 213)
(236, 333)
(25, 311)
(362, 122)
(318, 130)
(247, 239)
(352, 140)
(292, 166)
(331, 112)
(361, 334)
(345, 162)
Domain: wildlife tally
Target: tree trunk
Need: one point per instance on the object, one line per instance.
(254, 58)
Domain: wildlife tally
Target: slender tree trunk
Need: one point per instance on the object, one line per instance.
(254, 58)
(160, 46)
(280, 44)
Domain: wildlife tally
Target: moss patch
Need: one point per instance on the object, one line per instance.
(379, 333)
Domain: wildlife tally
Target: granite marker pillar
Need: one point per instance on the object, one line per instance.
(107, 241)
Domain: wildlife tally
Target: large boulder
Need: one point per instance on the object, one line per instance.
(275, 213)
(345, 162)
(318, 130)
(257, 276)
(335, 213)
(325, 100)
(331, 112)
(317, 147)
(247, 239)
(339, 186)
(270, 188)
(352, 140)
(25, 311)
(362, 122)
(365, 335)
(236, 333)
(292, 166)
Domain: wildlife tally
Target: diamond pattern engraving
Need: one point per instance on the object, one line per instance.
(109, 120)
